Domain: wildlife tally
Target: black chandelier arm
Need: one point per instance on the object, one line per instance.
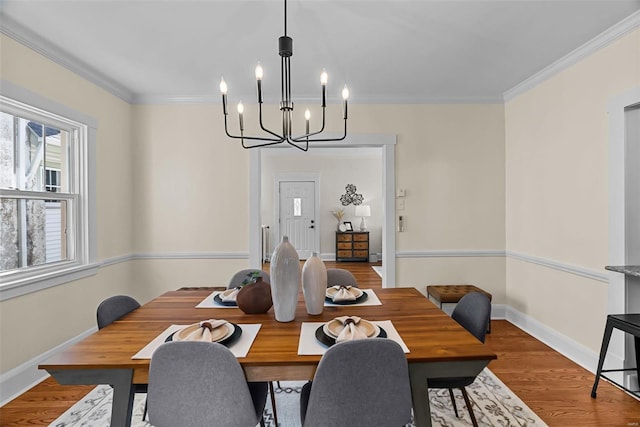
(266, 144)
(298, 139)
(292, 142)
(307, 135)
(262, 125)
(272, 141)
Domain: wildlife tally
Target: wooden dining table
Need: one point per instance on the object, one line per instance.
(438, 346)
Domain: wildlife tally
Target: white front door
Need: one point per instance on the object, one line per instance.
(297, 215)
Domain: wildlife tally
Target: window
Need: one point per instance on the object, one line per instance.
(43, 194)
(297, 206)
(52, 177)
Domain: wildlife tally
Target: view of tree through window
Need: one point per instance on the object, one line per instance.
(34, 162)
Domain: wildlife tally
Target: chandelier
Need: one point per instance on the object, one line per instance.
(301, 142)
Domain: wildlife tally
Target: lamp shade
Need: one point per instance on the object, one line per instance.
(363, 210)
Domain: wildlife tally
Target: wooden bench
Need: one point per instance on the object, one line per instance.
(453, 293)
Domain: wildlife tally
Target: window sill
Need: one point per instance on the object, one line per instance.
(22, 286)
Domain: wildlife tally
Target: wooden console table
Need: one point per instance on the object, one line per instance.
(352, 246)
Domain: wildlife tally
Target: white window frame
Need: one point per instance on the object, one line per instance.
(21, 102)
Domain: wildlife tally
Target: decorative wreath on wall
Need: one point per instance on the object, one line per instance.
(351, 196)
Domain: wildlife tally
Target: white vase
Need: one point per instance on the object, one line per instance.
(285, 280)
(314, 284)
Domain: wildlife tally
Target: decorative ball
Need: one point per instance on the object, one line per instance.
(255, 298)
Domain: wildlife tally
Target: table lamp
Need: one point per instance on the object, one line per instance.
(363, 211)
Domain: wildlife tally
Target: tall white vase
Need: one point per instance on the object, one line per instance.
(314, 284)
(285, 280)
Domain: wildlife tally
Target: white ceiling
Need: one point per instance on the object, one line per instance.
(391, 51)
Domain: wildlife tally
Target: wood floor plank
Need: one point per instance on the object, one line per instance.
(554, 387)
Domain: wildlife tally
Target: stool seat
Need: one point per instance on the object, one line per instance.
(629, 323)
(453, 293)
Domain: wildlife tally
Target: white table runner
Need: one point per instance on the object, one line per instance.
(372, 299)
(240, 348)
(310, 346)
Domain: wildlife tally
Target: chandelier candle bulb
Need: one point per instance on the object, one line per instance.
(223, 91)
(259, 81)
(307, 116)
(345, 96)
(240, 114)
(324, 77)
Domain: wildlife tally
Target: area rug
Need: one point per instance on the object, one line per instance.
(493, 404)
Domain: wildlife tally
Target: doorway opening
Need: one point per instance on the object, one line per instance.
(386, 145)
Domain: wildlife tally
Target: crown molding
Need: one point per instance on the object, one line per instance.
(28, 38)
(304, 99)
(602, 40)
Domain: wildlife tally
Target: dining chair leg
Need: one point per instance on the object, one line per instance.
(469, 408)
(453, 401)
(273, 403)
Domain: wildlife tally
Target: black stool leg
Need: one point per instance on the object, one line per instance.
(636, 342)
(273, 402)
(603, 352)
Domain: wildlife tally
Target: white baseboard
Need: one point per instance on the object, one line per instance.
(21, 378)
(564, 345)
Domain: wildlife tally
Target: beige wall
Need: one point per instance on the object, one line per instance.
(557, 189)
(191, 182)
(64, 311)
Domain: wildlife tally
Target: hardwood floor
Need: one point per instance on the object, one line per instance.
(558, 390)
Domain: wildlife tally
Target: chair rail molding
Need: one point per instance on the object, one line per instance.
(556, 265)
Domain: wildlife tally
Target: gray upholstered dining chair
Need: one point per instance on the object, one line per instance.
(240, 276)
(340, 276)
(359, 383)
(197, 384)
(236, 280)
(113, 308)
(110, 310)
(472, 313)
